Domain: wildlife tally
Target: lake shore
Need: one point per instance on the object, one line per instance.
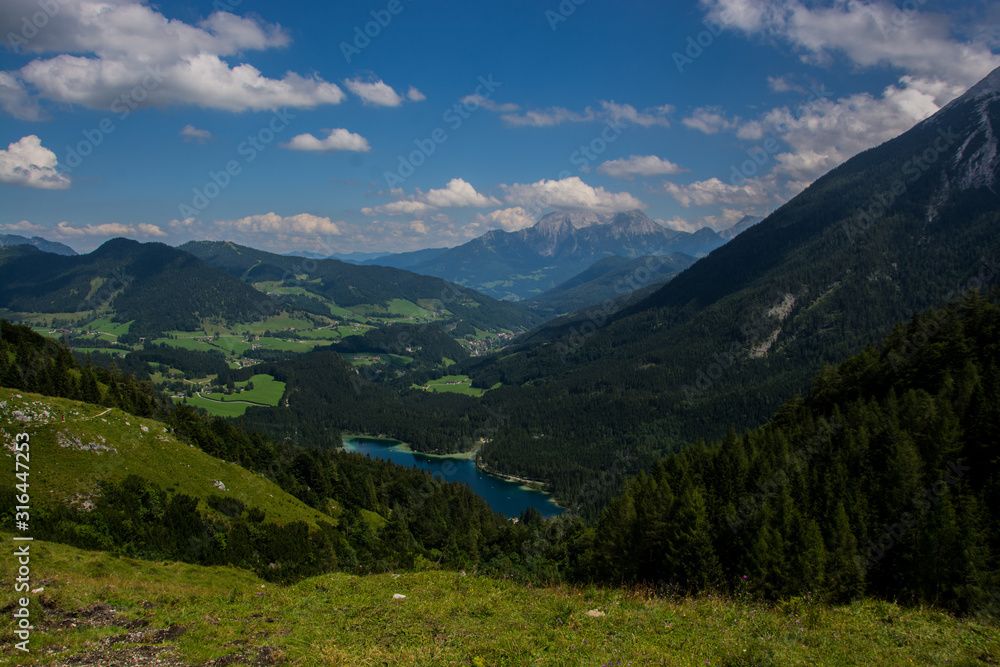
(400, 446)
(391, 444)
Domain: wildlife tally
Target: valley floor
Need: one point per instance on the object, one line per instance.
(97, 609)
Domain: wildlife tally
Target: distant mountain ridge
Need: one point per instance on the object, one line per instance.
(519, 265)
(745, 223)
(613, 282)
(349, 285)
(42, 244)
(159, 287)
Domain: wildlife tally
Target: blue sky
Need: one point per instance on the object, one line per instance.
(396, 125)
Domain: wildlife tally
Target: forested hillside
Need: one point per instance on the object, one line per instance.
(884, 480)
(159, 287)
(348, 285)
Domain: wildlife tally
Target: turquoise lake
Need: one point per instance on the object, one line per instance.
(508, 498)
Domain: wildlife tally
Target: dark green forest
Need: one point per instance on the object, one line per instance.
(884, 480)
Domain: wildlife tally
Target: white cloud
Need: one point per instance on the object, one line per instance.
(508, 219)
(726, 219)
(752, 130)
(780, 84)
(337, 140)
(868, 33)
(272, 223)
(403, 207)
(455, 194)
(825, 133)
(192, 134)
(22, 226)
(376, 93)
(713, 191)
(14, 99)
(710, 120)
(628, 114)
(65, 230)
(415, 95)
(146, 229)
(624, 114)
(488, 104)
(643, 165)
(568, 194)
(122, 55)
(548, 117)
(28, 164)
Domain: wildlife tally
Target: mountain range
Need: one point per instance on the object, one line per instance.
(526, 263)
(905, 226)
(37, 241)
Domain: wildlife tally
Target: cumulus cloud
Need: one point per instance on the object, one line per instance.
(22, 226)
(192, 134)
(825, 133)
(65, 230)
(375, 93)
(713, 191)
(570, 194)
(508, 219)
(337, 140)
(710, 120)
(14, 99)
(867, 33)
(272, 223)
(122, 55)
(642, 165)
(415, 95)
(456, 194)
(28, 164)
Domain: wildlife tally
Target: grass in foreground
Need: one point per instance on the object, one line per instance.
(100, 610)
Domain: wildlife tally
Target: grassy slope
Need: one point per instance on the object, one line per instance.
(446, 619)
(58, 474)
